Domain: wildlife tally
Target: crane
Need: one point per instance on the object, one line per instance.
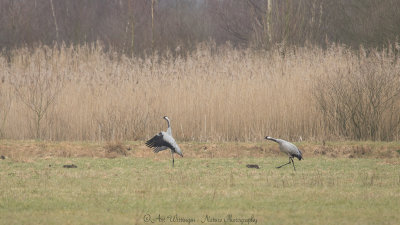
(288, 148)
(164, 140)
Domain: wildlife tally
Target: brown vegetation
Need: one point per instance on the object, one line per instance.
(26, 151)
(215, 94)
(113, 150)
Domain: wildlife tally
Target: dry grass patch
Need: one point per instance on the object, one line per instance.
(115, 149)
(31, 150)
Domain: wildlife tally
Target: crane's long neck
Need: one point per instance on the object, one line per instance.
(169, 131)
(271, 139)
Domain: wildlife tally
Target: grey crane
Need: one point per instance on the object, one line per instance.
(164, 140)
(287, 148)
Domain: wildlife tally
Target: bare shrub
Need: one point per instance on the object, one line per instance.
(38, 84)
(362, 99)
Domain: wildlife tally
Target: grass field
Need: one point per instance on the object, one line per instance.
(325, 189)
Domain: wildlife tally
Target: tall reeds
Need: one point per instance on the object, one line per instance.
(214, 94)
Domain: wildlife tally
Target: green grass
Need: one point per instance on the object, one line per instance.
(125, 190)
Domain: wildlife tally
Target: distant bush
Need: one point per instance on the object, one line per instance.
(362, 99)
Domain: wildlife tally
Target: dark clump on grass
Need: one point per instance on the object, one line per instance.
(114, 150)
(255, 166)
(2, 157)
(70, 166)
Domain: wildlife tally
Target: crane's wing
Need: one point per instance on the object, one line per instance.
(159, 149)
(294, 151)
(158, 143)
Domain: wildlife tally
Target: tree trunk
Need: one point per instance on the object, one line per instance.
(55, 20)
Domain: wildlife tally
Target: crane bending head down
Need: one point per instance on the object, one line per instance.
(290, 149)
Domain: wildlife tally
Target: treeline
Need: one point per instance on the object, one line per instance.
(137, 27)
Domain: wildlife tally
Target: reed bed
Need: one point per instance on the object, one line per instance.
(214, 94)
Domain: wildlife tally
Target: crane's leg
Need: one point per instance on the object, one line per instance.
(293, 164)
(284, 164)
(173, 161)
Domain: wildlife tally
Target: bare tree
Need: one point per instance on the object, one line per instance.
(141, 26)
(38, 88)
(152, 26)
(55, 20)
